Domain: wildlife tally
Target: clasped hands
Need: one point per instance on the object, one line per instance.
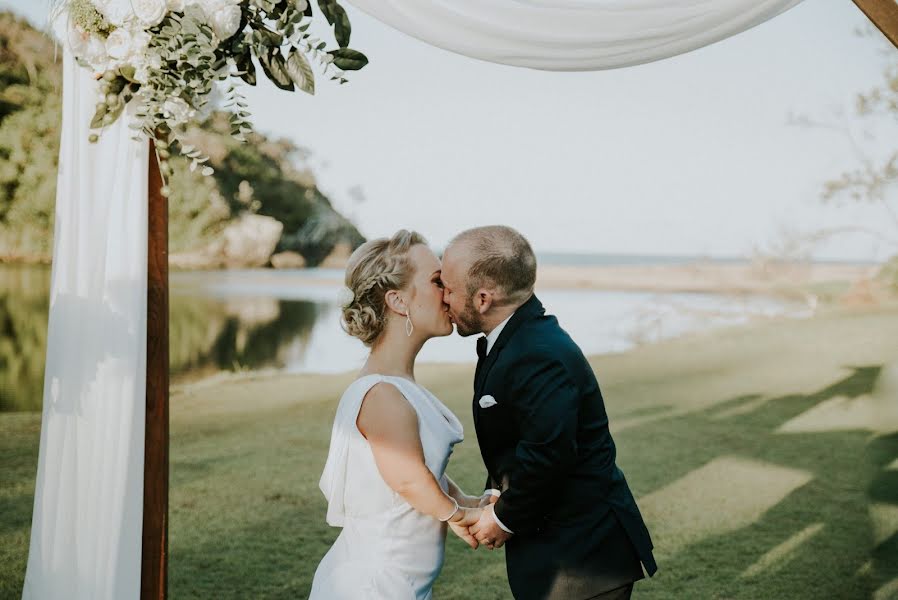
(477, 524)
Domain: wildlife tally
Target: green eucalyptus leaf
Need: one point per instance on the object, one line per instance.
(97, 121)
(248, 70)
(277, 9)
(337, 17)
(266, 37)
(301, 72)
(349, 59)
(128, 73)
(276, 69)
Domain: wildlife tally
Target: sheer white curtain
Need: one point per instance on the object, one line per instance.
(572, 35)
(88, 505)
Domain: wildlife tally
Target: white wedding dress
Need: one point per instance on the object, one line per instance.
(387, 550)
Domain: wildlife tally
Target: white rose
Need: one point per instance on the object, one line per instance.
(95, 54)
(150, 12)
(176, 5)
(176, 110)
(225, 21)
(118, 44)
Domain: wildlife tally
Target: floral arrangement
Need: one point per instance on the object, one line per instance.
(167, 59)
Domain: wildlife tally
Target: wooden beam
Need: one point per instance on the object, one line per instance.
(154, 559)
(883, 14)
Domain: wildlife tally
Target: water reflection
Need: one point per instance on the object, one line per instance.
(208, 334)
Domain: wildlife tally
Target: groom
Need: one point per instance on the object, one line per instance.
(572, 528)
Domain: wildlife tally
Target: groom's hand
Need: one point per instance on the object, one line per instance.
(487, 532)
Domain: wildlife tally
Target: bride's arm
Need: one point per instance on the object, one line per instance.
(390, 425)
(465, 500)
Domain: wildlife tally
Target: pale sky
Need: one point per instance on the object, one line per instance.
(690, 155)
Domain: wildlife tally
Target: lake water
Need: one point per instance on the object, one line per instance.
(268, 320)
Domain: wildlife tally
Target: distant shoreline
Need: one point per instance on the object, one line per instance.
(746, 277)
(623, 259)
(615, 273)
(755, 277)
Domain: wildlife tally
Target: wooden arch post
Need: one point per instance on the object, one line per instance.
(883, 14)
(154, 557)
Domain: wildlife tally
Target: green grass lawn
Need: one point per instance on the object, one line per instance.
(765, 460)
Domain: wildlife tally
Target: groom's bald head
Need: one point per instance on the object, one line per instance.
(496, 256)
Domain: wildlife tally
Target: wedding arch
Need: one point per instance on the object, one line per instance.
(136, 72)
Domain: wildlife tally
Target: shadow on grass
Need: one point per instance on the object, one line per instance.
(828, 517)
(272, 551)
(883, 452)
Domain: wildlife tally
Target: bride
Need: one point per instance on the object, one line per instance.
(385, 479)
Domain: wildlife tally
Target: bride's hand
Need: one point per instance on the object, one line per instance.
(460, 525)
(481, 501)
(466, 501)
(487, 498)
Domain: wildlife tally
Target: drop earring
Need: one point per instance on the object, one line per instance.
(409, 328)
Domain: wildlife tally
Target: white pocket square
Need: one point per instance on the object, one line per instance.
(487, 401)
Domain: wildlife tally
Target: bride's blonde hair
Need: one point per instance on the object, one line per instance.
(375, 268)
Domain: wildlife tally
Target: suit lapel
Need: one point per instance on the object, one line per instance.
(530, 309)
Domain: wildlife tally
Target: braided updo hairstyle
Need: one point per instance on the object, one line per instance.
(375, 268)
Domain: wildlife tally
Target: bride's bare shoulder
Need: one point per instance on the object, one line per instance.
(386, 412)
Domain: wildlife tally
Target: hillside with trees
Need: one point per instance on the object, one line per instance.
(260, 196)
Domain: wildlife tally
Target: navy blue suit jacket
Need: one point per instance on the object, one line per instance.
(547, 447)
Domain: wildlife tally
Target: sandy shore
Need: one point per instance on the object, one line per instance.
(749, 277)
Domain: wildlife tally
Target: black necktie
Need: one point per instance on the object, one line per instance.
(481, 348)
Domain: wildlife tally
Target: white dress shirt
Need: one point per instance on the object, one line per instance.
(494, 334)
(490, 342)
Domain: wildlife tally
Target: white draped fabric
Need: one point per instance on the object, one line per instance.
(572, 35)
(88, 505)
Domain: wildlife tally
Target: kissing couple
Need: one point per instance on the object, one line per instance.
(554, 497)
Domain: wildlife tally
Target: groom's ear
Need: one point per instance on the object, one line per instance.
(484, 300)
